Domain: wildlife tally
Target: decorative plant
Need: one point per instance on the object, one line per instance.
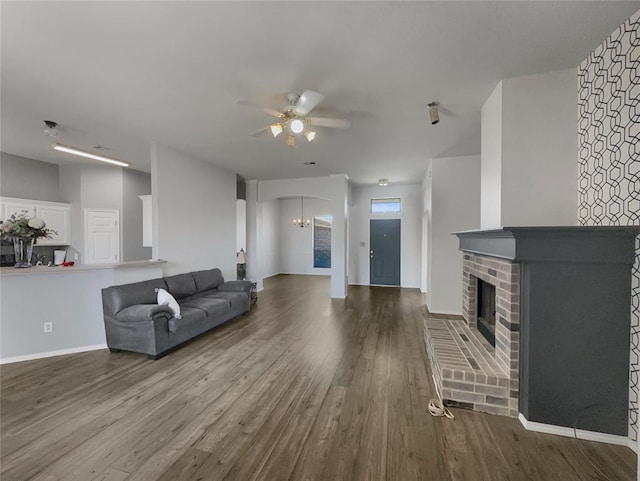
(19, 226)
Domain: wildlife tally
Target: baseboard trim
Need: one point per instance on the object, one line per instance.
(61, 352)
(579, 433)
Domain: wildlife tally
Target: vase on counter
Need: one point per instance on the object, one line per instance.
(23, 250)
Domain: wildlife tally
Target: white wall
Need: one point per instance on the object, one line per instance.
(296, 244)
(410, 234)
(455, 200)
(271, 246)
(491, 141)
(539, 149)
(529, 138)
(194, 213)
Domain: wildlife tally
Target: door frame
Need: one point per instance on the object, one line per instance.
(86, 233)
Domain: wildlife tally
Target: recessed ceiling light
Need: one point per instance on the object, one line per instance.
(383, 182)
(88, 155)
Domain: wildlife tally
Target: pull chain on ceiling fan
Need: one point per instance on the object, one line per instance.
(294, 117)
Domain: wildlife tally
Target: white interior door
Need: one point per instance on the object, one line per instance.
(101, 236)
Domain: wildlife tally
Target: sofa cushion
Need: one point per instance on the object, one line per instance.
(120, 297)
(239, 301)
(214, 308)
(193, 322)
(181, 285)
(209, 279)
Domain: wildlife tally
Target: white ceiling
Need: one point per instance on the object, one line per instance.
(122, 74)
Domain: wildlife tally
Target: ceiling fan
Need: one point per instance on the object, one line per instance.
(295, 117)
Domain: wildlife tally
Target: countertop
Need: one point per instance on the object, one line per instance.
(8, 271)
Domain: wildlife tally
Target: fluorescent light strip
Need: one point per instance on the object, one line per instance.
(88, 155)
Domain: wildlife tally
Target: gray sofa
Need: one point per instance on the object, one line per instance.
(135, 322)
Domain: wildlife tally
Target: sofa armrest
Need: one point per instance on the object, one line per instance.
(144, 312)
(236, 286)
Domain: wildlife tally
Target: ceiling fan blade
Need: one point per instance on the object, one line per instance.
(308, 101)
(255, 133)
(266, 110)
(326, 122)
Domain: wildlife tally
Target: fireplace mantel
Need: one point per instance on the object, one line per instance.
(570, 317)
(612, 244)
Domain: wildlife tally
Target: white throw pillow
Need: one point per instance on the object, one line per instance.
(166, 299)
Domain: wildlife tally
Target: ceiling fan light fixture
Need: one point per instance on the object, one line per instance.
(310, 135)
(276, 129)
(291, 140)
(383, 182)
(297, 126)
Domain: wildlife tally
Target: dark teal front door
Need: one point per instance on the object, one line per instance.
(384, 252)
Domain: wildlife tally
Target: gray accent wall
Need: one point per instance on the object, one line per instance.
(28, 178)
(106, 187)
(134, 183)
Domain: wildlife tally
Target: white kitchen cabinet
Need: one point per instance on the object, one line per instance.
(17, 206)
(57, 218)
(56, 215)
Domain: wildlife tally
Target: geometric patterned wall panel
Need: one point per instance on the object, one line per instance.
(609, 158)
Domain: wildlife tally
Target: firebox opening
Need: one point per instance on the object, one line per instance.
(486, 311)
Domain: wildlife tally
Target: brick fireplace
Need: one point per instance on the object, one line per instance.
(562, 317)
(484, 377)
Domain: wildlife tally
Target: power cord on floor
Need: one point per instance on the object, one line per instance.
(438, 409)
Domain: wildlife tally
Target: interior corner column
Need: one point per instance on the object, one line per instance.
(254, 227)
(339, 229)
(153, 152)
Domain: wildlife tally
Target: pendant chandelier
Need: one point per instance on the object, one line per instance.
(300, 222)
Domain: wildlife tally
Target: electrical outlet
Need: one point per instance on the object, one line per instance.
(48, 327)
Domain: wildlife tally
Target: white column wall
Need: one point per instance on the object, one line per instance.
(491, 140)
(539, 149)
(529, 146)
(270, 239)
(194, 210)
(452, 198)
(254, 229)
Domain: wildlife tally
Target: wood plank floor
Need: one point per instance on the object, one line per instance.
(302, 388)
